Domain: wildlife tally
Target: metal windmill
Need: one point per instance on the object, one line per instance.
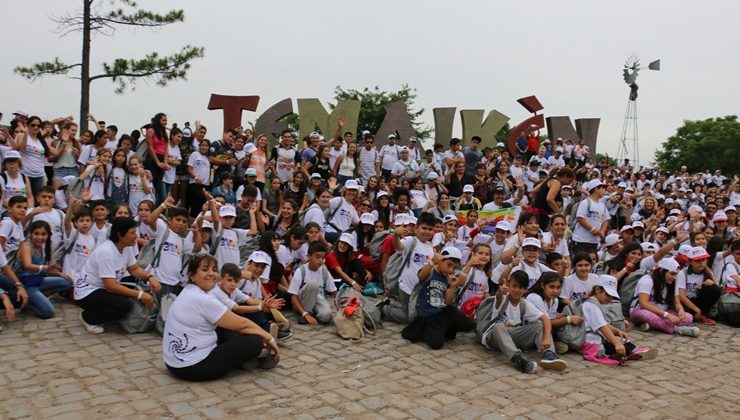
(628, 143)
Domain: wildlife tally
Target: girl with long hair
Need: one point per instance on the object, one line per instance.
(548, 199)
(33, 150)
(68, 150)
(156, 145)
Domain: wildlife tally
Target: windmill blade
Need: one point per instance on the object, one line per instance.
(655, 65)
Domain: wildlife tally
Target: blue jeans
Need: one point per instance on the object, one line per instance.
(36, 185)
(341, 179)
(38, 303)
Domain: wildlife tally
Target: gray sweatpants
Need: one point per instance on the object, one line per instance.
(510, 340)
(316, 305)
(399, 311)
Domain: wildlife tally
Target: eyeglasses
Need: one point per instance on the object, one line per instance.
(368, 142)
(365, 204)
(35, 125)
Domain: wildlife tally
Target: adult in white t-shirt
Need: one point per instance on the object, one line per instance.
(342, 214)
(191, 348)
(97, 287)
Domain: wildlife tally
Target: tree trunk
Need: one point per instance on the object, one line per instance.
(85, 69)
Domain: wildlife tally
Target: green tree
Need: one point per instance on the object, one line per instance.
(372, 111)
(610, 160)
(124, 72)
(503, 133)
(713, 144)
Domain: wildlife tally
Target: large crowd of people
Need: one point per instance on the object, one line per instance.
(219, 235)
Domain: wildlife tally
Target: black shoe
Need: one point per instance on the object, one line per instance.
(283, 335)
(523, 364)
(302, 320)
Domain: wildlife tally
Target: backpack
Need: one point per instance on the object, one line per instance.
(150, 252)
(141, 150)
(5, 178)
(573, 335)
(376, 243)
(626, 290)
(140, 318)
(347, 327)
(728, 305)
(483, 321)
(324, 275)
(61, 252)
(116, 194)
(396, 263)
(165, 302)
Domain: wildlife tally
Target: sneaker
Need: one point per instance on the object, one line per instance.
(706, 320)
(643, 353)
(274, 330)
(687, 330)
(561, 348)
(283, 335)
(644, 327)
(268, 362)
(550, 360)
(523, 364)
(92, 329)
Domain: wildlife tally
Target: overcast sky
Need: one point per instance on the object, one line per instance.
(466, 54)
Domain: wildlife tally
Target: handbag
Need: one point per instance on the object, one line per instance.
(350, 321)
(140, 318)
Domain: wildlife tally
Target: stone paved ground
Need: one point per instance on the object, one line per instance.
(54, 368)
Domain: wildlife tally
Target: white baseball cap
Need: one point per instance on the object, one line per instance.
(367, 219)
(259, 257)
(559, 149)
(226, 211)
(684, 249)
(12, 154)
(250, 148)
(720, 216)
(500, 145)
(22, 112)
(622, 185)
(698, 253)
(351, 185)
(593, 184)
(532, 242)
(404, 149)
(206, 225)
(649, 247)
(348, 239)
(730, 208)
(609, 283)
(675, 211)
(638, 224)
(468, 188)
(251, 172)
(413, 139)
(381, 193)
(316, 175)
(669, 264)
(626, 227)
(503, 225)
(432, 176)
(451, 252)
(612, 239)
(391, 136)
(663, 229)
(412, 220)
(449, 218)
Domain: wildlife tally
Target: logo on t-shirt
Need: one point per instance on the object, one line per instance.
(171, 247)
(82, 250)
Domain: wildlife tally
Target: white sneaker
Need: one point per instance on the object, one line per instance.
(644, 327)
(92, 329)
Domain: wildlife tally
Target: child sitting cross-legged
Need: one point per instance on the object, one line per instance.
(515, 324)
(438, 318)
(252, 308)
(309, 286)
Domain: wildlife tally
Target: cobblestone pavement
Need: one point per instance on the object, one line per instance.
(54, 368)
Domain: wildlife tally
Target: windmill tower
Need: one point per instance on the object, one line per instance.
(629, 147)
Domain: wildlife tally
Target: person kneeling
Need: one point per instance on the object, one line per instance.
(438, 317)
(513, 324)
(192, 347)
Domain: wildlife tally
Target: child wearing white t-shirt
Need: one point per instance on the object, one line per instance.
(310, 285)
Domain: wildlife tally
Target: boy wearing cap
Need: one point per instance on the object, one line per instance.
(556, 160)
(529, 264)
(438, 318)
(592, 219)
(414, 153)
(467, 201)
(405, 168)
(418, 249)
(389, 155)
(227, 239)
(612, 244)
(452, 157)
(697, 290)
